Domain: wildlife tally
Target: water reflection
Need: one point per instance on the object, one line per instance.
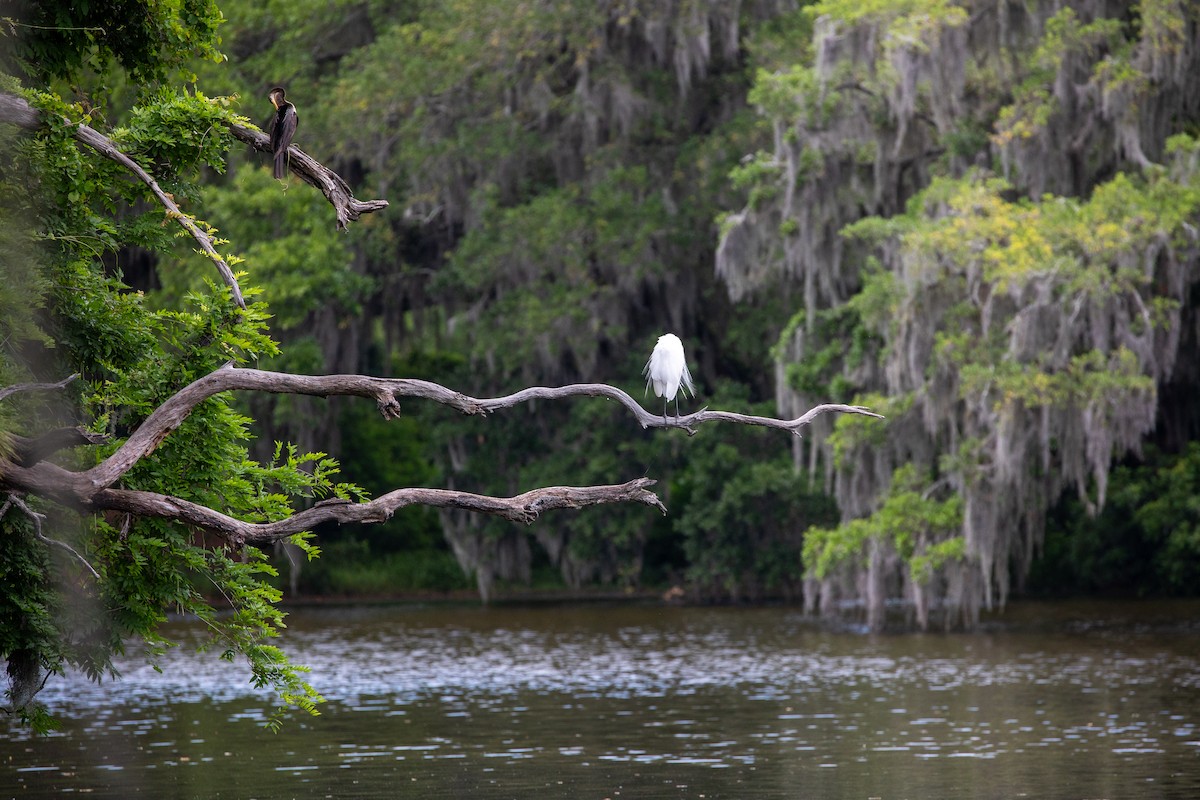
(627, 701)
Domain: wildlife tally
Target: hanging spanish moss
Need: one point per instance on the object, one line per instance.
(550, 174)
(486, 556)
(1015, 339)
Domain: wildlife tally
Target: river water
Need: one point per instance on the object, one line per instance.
(642, 701)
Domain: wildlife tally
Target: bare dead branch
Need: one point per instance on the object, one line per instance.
(16, 111)
(687, 422)
(92, 490)
(68, 488)
(29, 451)
(313, 172)
(36, 518)
(173, 411)
(523, 508)
(386, 393)
(17, 388)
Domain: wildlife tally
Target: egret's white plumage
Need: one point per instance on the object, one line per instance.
(667, 371)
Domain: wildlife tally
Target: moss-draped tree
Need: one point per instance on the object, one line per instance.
(992, 212)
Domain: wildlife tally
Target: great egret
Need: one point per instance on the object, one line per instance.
(667, 371)
(283, 128)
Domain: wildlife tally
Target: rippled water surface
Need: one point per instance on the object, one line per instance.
(618, 701)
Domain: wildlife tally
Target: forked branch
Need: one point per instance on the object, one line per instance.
(93, 490)
(63, 486)
(386, 392)
(313, 172)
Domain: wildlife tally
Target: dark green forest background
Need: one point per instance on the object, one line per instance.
(980, 219)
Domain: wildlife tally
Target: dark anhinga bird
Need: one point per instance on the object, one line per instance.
(283, 128)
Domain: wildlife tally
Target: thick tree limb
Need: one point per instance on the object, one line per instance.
(386, 393)
(71, 489)
(313, 172)
(17, 388)
(93, 490)
(523, 508)
(29, 451)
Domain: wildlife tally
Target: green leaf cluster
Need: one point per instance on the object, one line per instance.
(81, 218)
(743, 511)
(920, 529)
(148, 39)
(1146, 541)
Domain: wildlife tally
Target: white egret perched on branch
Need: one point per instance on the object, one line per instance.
(667, 371)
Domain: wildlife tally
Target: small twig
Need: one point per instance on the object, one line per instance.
(36, 387)
(36, 517)
(793, 426)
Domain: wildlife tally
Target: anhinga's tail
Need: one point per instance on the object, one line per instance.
(281, 165)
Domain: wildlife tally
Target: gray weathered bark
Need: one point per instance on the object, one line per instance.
(92, 490)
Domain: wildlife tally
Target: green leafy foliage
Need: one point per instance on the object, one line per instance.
(290, 246)
(175, 134)
(1146, 541)
(743, 512)
(1034, 102)
(53, 39)
(83, 215)
(977, 268)
(995, 239)
(921, 530)
(557, 266)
